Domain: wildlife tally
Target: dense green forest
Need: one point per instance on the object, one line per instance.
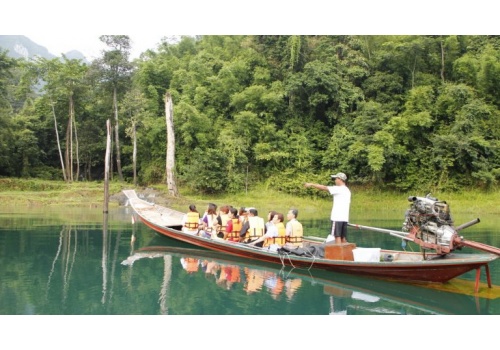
(403, 112)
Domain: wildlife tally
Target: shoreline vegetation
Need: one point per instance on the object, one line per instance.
(34, 193)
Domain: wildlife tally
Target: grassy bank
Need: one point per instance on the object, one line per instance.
(40, 193)
(37, 193)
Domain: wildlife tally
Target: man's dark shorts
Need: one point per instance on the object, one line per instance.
(339, 229)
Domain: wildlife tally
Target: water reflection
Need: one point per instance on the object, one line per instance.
(68, 237)
(224, 275)
(115, 267)
(346, 294)
(167, 274)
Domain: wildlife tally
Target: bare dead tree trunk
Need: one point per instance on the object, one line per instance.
(73, 121)
(111, 167)
(88, 174)
(71, 139)
(106, 166)
(58, 142)
(67, 151)
(413, 72)
(367, 43)
(442, 61)
(117, 135)
(246, 182)
(170, 158)
(134, 152)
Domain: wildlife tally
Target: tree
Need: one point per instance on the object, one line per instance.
(116, 69)
(170, 158)
(488, 76)
(6, 66)
(58, 142)
(135, 107)
(64, 82)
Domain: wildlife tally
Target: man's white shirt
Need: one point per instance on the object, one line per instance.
(341, 203)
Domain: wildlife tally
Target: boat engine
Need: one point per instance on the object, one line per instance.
(429, 223)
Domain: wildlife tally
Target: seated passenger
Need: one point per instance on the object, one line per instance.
(233, 227)
(222, 220)
(280, 240)
(209, 221)
(191, 221)
(270, 217)
(242, 215)
(253, 227)
(294, 231)
(275, 235)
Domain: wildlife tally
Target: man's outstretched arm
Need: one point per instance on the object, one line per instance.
(317, 186)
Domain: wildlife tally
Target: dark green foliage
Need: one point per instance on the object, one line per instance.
(152, 173)
(206, 171)
(292, 182)
(400, 111)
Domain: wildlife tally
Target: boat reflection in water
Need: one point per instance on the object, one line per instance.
(347, 294)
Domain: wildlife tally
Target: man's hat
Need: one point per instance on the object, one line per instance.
(341, 176)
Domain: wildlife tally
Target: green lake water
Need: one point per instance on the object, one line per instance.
(61, 263)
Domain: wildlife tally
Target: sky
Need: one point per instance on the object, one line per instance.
(90, 45)
(61, 27)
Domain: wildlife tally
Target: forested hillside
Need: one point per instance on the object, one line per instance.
(403, 112)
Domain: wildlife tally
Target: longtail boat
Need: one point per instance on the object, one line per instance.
(438, 262)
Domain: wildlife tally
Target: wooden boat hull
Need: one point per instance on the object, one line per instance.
(434, 269)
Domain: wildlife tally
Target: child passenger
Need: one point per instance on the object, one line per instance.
(191, 221)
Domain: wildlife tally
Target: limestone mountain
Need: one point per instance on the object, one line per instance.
(20, 46)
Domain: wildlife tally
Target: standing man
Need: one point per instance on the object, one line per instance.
(341, 205)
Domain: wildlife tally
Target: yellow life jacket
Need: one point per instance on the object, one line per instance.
(224, 219)
(296, 236)
(234, 235)
(192, 220)
(280, 240)
(256, 229)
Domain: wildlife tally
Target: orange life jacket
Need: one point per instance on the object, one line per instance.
(280, 240)
(234, 235)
